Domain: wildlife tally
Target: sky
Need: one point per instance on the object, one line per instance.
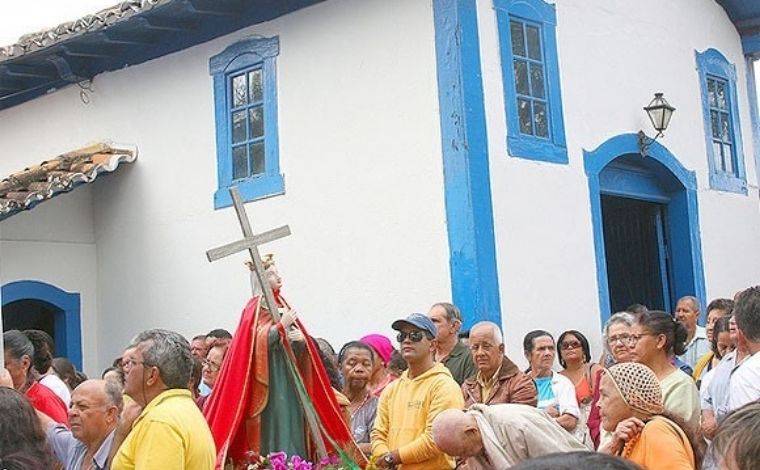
(27, 16)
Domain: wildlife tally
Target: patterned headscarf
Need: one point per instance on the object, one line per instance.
(638, 385)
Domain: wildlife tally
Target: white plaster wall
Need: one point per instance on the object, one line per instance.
(55, 244)
(359, 148)
(613, 56)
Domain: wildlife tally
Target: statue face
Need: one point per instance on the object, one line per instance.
(275, 281)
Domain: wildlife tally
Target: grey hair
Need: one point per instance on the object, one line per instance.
(625, 318)
(452, 311)
(694, 301)
(495, 330)
(170, 352)
(114, 395)
(18, 345)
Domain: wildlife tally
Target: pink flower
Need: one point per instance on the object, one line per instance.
(298, 463)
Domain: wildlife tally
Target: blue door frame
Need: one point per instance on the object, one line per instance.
(68, 331)
(660, 178)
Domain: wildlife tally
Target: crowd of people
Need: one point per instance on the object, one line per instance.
(666, 393)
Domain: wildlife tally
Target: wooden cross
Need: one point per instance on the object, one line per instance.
(251, 243)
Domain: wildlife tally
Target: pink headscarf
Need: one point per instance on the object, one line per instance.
(381, 344)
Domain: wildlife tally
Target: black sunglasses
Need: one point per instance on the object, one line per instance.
(415, 336)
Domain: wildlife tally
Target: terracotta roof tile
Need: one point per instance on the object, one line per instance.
(26, 188)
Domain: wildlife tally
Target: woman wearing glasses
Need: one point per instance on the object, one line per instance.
(655, 338)
(575, 359)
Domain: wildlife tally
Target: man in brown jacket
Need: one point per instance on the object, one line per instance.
(498, 379)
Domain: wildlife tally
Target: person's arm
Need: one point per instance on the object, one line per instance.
(445, 396)
(709, 424)
(59, 438)
(567, 405)
(379, 433)
(523, 390)
(567, 421)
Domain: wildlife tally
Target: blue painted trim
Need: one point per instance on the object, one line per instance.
(682, 230)
(469, 215)
(68, 330)
(711, 62)
(520, 145)
(246, 54)
(751, 45)
(754, 113)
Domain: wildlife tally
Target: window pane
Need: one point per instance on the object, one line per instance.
(524, 115)
(256, 92)
(238, 91)
(257, 157)
(721, 92)
(537, 80)
(518, 38)
(725, 128)
(711, 99)
(238, 127)
(239, 162)
(521, 77)
(256, 120)
(717, 156)
(540, 120)
(715, 122)
(534, 42)
(728, 158)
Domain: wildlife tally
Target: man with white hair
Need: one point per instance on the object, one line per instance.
(498, 379)
(500, 436)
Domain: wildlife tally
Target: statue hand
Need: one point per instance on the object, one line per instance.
(289, 316)
(296, 336)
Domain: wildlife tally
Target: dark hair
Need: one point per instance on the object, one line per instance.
(22, 440)
(329, 363)
(738, 437)
(44, 349)
(119, 372)
(528, 340)
(79, 377)
(576, 460)
(451, 310)
(197, 337)
(219, 333)
(726, 305)
(397, 362)
(722, 325)
(584, 346)
(66, 371)
(195, 375)
(747, 313)
(661, 323)
(636, 308)
(355, 345)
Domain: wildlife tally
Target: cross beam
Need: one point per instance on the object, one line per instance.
(251, 243)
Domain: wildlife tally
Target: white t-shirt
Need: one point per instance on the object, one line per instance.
(564, 396)
(744, 385)
(58, 386)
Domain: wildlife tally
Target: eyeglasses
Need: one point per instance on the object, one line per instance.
(635, 338)
(568, 345)
(414, 336)
(131, 363)
(624, 339)
(211, 365)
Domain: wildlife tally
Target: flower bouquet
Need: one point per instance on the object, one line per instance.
(280, 461)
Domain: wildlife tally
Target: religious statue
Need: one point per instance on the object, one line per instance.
(272, 393)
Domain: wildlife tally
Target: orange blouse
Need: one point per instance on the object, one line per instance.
(662, 445)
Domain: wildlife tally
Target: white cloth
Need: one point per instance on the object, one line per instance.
(564, 396)
(697, 347)
(744, 385)
(58, 386)
(714, 395)
(513, 433)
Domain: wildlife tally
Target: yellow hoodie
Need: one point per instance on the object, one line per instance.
(405, 416)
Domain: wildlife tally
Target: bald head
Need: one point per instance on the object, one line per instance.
(94, 411)
(489, 328)
(456, 433)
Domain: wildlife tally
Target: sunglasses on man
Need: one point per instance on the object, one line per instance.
(414, 336)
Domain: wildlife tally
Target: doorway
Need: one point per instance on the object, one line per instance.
(636, 252)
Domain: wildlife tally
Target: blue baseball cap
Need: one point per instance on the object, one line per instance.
(417, 320)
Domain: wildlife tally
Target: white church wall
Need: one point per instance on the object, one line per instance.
(612, 57)
(55, 244)
(359, 149)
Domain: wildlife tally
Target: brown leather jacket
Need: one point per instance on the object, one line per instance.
(514, 386)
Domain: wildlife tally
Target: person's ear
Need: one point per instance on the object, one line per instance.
(501, 348)
(153, 375)
(661, 341)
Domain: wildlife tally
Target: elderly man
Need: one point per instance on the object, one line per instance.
(687, 312)
(198, 346)
(449, 350)
(402, 434)
(93, 415)
(556, 393)
(500, 436)
(170, 432)
(498, 379)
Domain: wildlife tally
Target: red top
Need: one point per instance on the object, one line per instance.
(46, 401)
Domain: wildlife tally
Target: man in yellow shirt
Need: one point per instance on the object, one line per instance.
(170, 432)
(402, 437)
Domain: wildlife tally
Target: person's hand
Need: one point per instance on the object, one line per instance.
(5, 378)
(296, 335)
(628, 429)
(552, 411)
(128, 417)
(289, 316)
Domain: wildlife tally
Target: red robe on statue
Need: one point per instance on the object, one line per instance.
(241, 394)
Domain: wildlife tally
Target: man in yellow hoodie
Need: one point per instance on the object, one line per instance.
(402, 437)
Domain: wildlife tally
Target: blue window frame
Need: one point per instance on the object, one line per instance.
(245, 106)
(725, 158)
(530, 70)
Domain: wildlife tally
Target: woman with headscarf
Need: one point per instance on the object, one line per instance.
(643, 432)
